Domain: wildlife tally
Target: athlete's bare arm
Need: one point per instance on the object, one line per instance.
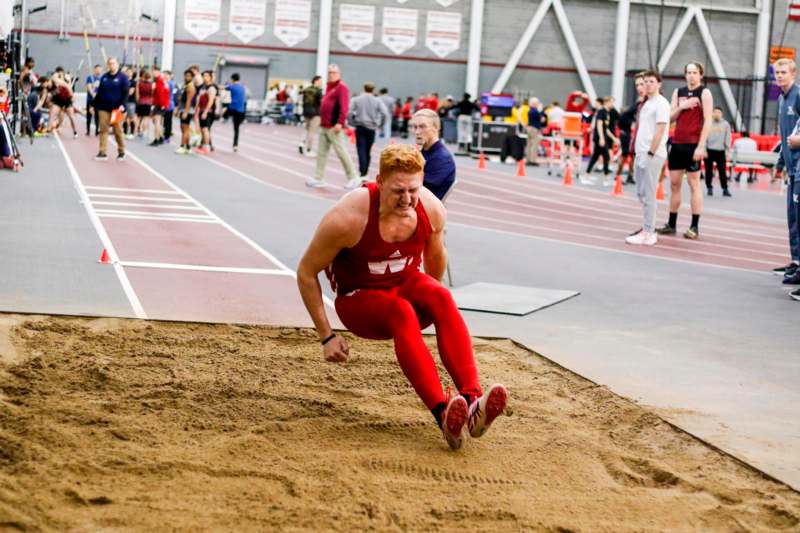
(708, 108)
(675, 108)
(187, 108)
(434, 257)
(341, 227)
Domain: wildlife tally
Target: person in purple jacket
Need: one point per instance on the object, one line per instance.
(333, 114)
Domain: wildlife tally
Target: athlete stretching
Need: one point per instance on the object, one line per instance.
(692, 107)
(371, 245)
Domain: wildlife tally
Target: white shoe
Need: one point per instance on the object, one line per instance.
(588, 180)
(311, 153)
(643, 238)
(314, 183)
(354, 183)
(485, 409)
(454, 418)
(607, 183)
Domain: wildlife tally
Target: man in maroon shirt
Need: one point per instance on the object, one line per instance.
(333, 113)
(692, 106)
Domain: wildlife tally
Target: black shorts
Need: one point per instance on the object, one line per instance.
(208, 121)
(681, 158)
(188, 120)
(143, 110)
(62, 103)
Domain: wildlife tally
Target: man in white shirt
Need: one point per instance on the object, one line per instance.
(651, 152)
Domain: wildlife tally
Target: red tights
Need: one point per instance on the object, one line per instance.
(401, 313)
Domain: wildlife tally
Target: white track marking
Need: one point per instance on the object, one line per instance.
(227, 226)
(151, 214)
(144, 217)
(207, 268)
(140, 198)
(133, 299)
(156, 191)
(153, 206)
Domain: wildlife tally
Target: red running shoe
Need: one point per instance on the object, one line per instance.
(453, 420)
(485, 409)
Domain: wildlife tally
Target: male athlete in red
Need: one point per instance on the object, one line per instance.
(371, 245)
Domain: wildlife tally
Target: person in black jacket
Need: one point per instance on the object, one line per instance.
(112, 94)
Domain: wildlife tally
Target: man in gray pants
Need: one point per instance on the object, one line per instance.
(651, 152)
(367, 115)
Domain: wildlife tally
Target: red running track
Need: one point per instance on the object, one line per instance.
(175, 258)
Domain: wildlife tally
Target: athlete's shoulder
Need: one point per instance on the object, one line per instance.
(433, 208)
(346, 220)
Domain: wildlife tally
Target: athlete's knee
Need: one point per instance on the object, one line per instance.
(402, 317)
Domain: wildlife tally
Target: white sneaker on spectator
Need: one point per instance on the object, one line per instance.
(643, 238)
(314, 183)
(354, 183)
(311, 153)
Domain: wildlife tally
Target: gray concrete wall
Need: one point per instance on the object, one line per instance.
(546, 68)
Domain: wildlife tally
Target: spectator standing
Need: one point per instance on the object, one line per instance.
(717, 146)
(237, 106)
(626, 121)
(389, 102)
(534, 131)
(368, 114)
(161, 98)
(555, 116)
(464, 111)
(651, 152)
(333, 114)
(312, 98)
(92, 80)
(112, 94)
(788, 159)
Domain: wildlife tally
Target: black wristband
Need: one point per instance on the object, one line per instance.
(328, 339)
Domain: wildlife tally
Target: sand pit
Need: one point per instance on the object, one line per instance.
(127, 425)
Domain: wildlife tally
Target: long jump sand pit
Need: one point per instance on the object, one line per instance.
(121, 425)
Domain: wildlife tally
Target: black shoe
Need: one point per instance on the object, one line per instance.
(710, 192)
(666, 229)
(787, 270)
(726, 192)
(156, 142)
(630, 181)
(300, 148)
(121, 157)
(101, 157)
(790, 281)
(795, 295)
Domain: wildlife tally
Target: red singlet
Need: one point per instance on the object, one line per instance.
(374, 263)
(689, 123)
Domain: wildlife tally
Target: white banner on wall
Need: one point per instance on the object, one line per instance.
(356, 25)
(201, 18)
(443, 32)
(247, 19)
(399, 32)
(292, 20)
(447, 3)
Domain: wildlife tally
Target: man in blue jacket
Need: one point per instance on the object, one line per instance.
(112, 93)
(440, 167)
(788, 161)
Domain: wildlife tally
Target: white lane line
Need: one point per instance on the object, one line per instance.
(141, 198)
(207, 268)
(128, 189)
(152, 214)
(227, 226)
(174, 219)
(133, 299)
(153, 206)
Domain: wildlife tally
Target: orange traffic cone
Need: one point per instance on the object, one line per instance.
(482, 162)
(521, 168)
(568, 175)
(618, 187)
(660, 191)
(104, 258)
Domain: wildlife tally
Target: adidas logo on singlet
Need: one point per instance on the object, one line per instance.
(396, 263)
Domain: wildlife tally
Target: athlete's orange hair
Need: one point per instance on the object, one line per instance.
(401, 158)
